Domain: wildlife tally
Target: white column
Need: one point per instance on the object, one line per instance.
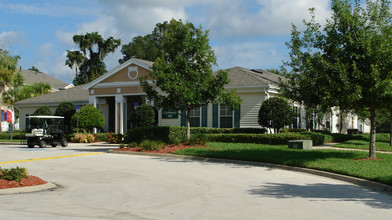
(119, 114)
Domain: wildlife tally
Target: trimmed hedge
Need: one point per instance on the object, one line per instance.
(230, 135)
(292, 130)
(6, 135)
(176, 134)
(272, 139)
(170, 134)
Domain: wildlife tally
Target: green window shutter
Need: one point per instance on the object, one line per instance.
(27, 122)
(215, 116)
(204, 116)
(237, 116)
(183, 118)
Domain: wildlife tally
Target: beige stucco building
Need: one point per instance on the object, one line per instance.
(118, 91)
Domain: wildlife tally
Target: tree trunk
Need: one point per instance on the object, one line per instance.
(390, 134)
(188, 126)
(372, 144)
(340, 121)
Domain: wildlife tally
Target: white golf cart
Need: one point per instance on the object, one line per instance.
(46, 130)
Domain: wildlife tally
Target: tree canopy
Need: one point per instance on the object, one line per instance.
(88, 60)
(346, 63)
(8, 68)
(183, 72)
(146, 47)
(66, 109)
(275, 113)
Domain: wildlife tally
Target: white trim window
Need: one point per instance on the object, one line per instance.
(195, 117)
(226, 116)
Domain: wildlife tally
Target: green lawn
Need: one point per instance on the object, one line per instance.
(337, 161)
(382, 143)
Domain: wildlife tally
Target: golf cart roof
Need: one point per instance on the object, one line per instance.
(44, 116)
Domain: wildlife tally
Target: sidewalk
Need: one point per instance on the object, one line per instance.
(330, 146)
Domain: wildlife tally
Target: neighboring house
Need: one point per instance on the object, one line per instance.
(27, 107)
(31, 77)
(117, 92)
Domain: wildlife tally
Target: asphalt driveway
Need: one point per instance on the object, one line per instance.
(113, 186)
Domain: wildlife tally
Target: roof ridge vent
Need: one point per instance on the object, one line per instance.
(257, 71)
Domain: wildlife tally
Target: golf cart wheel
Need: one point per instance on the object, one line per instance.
(54, 145)
(30, 143)
(42, 143)
(64, 142)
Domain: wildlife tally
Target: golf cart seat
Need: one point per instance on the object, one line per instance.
(37, 132)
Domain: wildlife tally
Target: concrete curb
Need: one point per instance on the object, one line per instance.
(29, 189)
(379, 187)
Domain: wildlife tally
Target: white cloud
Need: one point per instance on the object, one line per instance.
(43, 57)
(271, 18)
(53, 10)
(249, 55)
(8, 38)
(61, 71)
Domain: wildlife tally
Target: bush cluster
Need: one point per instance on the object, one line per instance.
(6, 135)
(84, 138)
(114, 138)
(292, 130)
(272, 139)
(16, 174)
(175, 135)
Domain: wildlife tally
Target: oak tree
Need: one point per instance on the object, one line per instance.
(183, 72)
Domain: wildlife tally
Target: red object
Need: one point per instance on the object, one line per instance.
(9, 116)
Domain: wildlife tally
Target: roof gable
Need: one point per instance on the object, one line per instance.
(130, 70)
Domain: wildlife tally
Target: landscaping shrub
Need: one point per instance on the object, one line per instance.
(143, 116)
(272, 139)
(165, 134)
(319, 138)
(147, 145)
(176, 135)
(197, 138)
(102, 136)
(292, 130)
(6, 135)
(16, 174)
(83, 138)
(114, 138)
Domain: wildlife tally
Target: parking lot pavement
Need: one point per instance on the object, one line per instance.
(112, 186)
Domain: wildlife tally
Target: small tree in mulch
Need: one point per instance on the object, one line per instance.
(89, 118)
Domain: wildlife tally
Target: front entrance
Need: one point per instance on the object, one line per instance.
(111, 114)
(132, 103)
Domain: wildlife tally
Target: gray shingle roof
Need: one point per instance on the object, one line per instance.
(75, 94)
(240, 76)
(31, 77)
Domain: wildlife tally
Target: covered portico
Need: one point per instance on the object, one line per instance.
(117, 92)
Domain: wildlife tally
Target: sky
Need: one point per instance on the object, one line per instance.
(246, 33)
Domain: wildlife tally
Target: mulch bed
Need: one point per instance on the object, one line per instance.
(28, 181)
(165, 150)
(369, 158)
